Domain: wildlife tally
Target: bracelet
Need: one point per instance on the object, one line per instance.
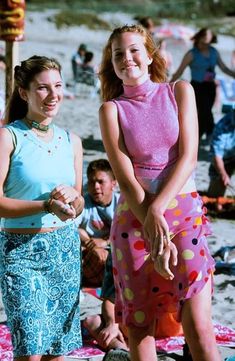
(47, 205)
(80, 199)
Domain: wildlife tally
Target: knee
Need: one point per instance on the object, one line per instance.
(201, 331)
(139, 333)
(90, 321)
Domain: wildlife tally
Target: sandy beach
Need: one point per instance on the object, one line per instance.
(81, 116)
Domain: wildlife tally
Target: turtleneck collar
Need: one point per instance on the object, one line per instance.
(138, 90)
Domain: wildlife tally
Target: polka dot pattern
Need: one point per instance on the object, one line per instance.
(173, 204)
(140, 291)
(139, 316)
(139, 245)
(194, 241)
(128, 294)
(187, 254)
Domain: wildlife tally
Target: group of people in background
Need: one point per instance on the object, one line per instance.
(83, 68)
(161, 271)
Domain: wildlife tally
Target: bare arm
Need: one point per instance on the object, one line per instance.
(122, 166)
(155, 223)
(187, 59)
(224, 67)
(111, 329)
(219, 165)
(88, 241)
(12, 208)
(120, 161)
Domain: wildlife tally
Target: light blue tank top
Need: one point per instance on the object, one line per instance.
(36, 168)
(203, 67)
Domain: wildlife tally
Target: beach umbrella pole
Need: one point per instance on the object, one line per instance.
(12, 59)
(12, 15)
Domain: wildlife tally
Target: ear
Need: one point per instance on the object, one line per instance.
(23, 94)
(150, 60)
(114, 184)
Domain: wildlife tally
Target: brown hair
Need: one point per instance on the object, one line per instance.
(201, 33)
(24, 74)
(111, 85)
(100, 165)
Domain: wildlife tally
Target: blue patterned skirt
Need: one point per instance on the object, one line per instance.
(40, 281)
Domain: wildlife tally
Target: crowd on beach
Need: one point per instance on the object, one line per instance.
(140, 231)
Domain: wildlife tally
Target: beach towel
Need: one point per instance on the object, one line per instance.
(225, 336)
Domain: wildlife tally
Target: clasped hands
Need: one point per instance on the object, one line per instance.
(66, 202)
(162, 251)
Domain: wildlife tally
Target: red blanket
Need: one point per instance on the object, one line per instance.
(225, 336)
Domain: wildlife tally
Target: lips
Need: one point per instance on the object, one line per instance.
(50, 105)
(97, 194)
(126, 67)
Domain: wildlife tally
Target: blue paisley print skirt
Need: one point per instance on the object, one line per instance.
(40, 281)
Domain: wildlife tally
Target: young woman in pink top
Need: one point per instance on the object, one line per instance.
(160, 253)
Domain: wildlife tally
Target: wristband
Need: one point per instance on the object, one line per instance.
(47, 205)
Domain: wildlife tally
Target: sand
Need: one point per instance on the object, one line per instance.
(81, 116)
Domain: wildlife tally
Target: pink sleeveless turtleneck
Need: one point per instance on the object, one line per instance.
(148, 117)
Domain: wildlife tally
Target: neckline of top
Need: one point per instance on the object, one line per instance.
(139, 90)
(34, 136)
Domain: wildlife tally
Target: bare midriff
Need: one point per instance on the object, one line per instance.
(29, 230)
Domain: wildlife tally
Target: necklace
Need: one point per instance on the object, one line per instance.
(40, 133)
(38, 126)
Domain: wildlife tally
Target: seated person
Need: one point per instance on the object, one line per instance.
(223, 155)
(113, 336)
(95, 221)
(104, 329)
(78, 58)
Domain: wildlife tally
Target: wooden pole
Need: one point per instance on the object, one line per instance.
(12, 59)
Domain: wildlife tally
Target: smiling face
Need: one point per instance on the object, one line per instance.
(130, 58)
(44, 95)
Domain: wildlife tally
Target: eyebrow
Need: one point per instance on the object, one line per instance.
(41, 83)
(134, 44)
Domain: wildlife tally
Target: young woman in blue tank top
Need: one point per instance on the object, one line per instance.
(41, 183)
(202, 60)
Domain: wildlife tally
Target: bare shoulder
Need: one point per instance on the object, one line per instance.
(76, 140)
(6, 140)
(108, 109)
(183, 88)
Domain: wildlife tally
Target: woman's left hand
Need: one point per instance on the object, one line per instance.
(162, 250)
(168, 257)
(65, 194)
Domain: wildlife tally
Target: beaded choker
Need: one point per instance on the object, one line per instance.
(38, 126)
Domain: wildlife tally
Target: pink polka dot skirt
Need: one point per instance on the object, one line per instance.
(141, 293)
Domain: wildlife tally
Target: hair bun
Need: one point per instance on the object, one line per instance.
(17, 69)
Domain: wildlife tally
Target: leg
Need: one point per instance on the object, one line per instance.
(93, 325)
(198, 328)
(39, 358)
(142, 343)
(216, 188)
(28, 358)
(52, 358)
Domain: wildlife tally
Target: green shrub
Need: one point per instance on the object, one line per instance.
(71, 17)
